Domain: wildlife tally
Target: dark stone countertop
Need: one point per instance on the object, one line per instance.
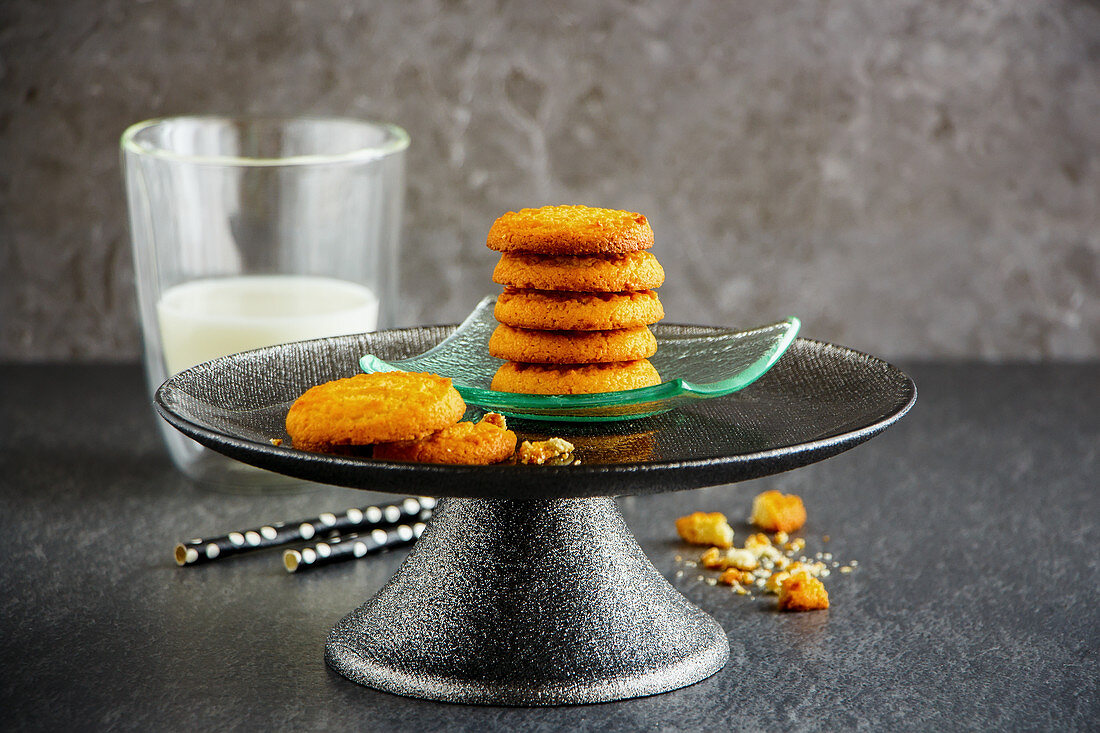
(975, 521)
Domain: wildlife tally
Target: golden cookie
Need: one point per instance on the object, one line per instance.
(488, 441)
(570, 230)
(565, 310)
(572, 347)
(596, 274)
(574, 378)
(373, 408)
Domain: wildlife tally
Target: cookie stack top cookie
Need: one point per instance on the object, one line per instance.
(570, 230)
(578, 300)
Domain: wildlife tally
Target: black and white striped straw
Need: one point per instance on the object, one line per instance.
(355, 520)
(350, 547)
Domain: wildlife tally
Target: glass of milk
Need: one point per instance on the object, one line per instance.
(249, 232)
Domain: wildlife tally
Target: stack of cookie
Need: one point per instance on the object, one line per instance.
(578, 300)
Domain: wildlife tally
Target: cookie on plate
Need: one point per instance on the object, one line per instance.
(574, 378)
(570, 230)
(373, 408)
(572, 347)
(480, 443)
(614, 273)
(566, 310)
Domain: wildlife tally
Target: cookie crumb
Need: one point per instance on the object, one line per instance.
(741, 559)
(276, 442)
(737, 578)
(700, 528)
(777, 512)
(495, 418)
(543, 450)
(713, 559)
(802, 592)
(774, 582)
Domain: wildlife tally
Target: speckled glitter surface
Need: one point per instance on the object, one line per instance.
(527, 603)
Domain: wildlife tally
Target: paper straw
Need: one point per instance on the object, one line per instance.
(350, 547)
(354, 520)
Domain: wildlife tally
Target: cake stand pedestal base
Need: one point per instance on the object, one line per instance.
(548, 602)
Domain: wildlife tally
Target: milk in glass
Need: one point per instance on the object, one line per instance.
(204, 319)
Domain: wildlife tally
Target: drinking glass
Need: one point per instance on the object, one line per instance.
(248, 232)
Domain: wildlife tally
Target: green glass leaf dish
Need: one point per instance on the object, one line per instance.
(697, 362)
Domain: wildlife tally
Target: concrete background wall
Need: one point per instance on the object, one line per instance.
(911, 177)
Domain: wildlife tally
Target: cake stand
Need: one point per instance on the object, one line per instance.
(527, 588)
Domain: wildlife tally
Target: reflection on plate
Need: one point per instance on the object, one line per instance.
(694, 366)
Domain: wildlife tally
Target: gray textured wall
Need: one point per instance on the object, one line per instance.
(910, 177)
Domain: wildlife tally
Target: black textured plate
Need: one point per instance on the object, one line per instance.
(817, 401)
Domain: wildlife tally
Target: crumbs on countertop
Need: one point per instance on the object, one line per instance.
(777, 565)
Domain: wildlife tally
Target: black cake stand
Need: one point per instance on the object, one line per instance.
(527, 588)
